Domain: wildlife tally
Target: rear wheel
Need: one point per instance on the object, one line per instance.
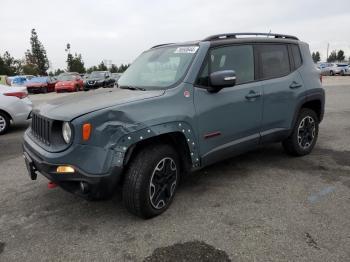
(151, 181)
(44, 90)
(304, 135)
(331, 73)
(4, 123)
(342, 73)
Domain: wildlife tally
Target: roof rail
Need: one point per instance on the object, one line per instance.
(234, 35)
(161, 45)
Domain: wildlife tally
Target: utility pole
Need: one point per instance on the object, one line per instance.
(327, 51)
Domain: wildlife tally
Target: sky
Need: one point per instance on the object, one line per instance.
(118, 31)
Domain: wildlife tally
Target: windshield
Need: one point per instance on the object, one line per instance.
(65, 77)
(38, 80)
(97, 74)
(159, 68)
(342, 65)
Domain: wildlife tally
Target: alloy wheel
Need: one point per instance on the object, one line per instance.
(163, 183)
(306, 132)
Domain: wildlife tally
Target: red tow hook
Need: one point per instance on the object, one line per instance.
(51, 185)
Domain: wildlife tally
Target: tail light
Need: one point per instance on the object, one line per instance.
(19, 95)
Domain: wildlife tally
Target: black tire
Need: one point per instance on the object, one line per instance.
(140, 175)
(331, 73)
(303, 139)
(342, 73)
(76, 88)
(4, 123)
(44, 90)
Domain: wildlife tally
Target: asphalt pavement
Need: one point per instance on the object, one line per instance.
(261, 206)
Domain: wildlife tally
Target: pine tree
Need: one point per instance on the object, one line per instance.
(317, 57)
(102, 67)
(340, 56)
(113, 69)
(332, 57)
(37, 55)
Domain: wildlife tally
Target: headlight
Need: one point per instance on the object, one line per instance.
(66, 132)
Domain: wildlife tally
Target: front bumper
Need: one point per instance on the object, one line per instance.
(71, 182)
(96, 85)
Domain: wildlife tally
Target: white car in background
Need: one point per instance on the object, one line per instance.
(15, 106)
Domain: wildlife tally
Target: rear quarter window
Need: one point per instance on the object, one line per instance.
(296, 56)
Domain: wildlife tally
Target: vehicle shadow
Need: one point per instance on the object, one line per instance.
(223, 174)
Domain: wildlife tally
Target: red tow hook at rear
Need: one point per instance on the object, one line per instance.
(51, 185)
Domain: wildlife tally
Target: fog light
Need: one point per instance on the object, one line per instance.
(65, 169)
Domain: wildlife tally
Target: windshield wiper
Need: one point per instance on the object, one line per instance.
(132, 88)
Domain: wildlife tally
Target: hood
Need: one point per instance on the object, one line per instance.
(69, 107)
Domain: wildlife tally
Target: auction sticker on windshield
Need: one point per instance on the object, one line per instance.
(186, 49)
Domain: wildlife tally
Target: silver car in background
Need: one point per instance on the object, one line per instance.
(331, 69)
(15, 106)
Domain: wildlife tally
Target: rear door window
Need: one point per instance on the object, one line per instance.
(273, 61)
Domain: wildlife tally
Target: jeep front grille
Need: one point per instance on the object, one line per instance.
(41, 128)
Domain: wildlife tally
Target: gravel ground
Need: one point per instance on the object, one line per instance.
(261, 206)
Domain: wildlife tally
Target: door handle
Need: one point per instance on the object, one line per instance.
(252, 95)
(295, 85)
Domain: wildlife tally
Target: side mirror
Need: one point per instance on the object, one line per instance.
(222, 79)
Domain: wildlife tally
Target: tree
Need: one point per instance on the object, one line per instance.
(75, 63)
(58, 71)
(332, 57)
(36, 56)
(30, 69)
(340, 56)
(122, 68)
(102, 67)
(113, 69)
(316, 57)
(91, 69)
(9, 65)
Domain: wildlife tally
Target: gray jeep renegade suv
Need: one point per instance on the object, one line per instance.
(178, 108)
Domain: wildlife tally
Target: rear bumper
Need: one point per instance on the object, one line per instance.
(21, 110)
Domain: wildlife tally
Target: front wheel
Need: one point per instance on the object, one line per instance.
(304, 135)
(151, 181)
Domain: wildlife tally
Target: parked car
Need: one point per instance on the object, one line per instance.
(116, 76)
(20, 80)
(347, 70)
(4, 80)
(332, 69)
(71, 82)
(98, 79)
(41, 84)
(15, 106)
(180, 107)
